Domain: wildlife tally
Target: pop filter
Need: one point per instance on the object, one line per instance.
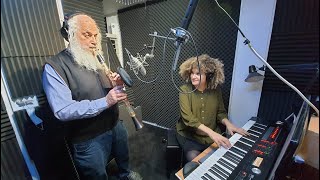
(124, 76)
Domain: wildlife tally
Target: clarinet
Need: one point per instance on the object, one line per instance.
(137, 123)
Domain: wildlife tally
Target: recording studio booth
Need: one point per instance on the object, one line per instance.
(150, 39)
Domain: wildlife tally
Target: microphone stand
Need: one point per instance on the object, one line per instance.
(125, 80)
(247, 42)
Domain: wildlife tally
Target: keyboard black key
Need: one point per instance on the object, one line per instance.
(256, 129)
(222, 170)
(225, 165)
(219, 172)
(254, 133)
(246, 141)
(207, 175)
(237, 158)
(262, 129)
(227, 156)
(253, 138)
(260, 125)
(237, 151)
(204, 178)
(249, 145)
(216, 174)
(242, 146)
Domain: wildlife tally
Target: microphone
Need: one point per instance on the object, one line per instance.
(137, 64)
(181, 34)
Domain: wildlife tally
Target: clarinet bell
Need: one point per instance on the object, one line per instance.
(137, 124)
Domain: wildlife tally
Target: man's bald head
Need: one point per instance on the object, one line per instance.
(85, 30)
(84, 40)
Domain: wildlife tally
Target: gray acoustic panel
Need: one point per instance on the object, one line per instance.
(294, 48)
(213, 34)
(114, 64)
(23, 75)
(13, 165)
(294, 40)
(275, 106)
(29, 34)
(93, 8)
(28, 28)
(6, 127)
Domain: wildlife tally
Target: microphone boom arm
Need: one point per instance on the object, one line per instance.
(180, 33)
(247, 42)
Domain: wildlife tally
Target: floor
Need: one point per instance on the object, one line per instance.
(147, 153)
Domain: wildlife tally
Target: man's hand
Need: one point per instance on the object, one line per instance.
(220, 140)
(115, 95)
(115, 77)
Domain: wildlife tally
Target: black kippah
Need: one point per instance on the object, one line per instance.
(65, 27)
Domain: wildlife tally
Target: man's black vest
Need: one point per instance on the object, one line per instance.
(85, 85)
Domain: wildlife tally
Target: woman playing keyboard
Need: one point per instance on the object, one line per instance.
(201, 107)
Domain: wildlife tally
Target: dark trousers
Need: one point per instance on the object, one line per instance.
(91, 157)
(189, 145)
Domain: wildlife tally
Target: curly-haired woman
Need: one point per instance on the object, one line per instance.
(202, 109)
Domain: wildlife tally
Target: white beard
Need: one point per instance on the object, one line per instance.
(84, 58)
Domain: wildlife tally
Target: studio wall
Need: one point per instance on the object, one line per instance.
(212, 32)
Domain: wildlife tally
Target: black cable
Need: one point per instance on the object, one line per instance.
(246, 39)
(196, 50)
(301, 171)
(70, 155)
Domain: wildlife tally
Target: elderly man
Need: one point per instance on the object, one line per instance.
(81, 95)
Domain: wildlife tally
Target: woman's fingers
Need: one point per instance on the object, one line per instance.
(224, 142)
(243, 132)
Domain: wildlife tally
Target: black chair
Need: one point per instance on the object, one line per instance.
(47, 146)
(174, 153)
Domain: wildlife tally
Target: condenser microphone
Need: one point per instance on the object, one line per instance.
(180, 33)
(136, 64)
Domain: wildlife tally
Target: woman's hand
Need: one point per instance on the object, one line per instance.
(220, 140)
(233, 129)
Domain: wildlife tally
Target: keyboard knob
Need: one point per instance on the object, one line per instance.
(256, 170)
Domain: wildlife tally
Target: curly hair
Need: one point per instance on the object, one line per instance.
(207, 65)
